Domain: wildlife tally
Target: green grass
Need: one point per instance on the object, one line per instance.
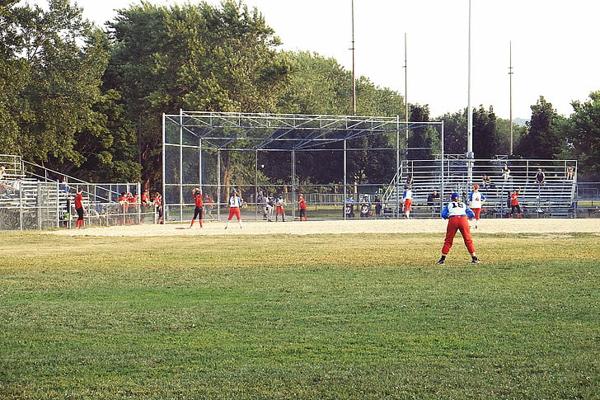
(331, 316)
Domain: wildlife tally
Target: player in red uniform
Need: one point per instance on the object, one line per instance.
(79, 208)
(514, 204)
(458, 215)
(199, 209)
(302, 207)
(235, 203)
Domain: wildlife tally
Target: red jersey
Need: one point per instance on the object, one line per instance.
(79, 200)
(145, 198)
(158, 201)
(514, 199)
(302, 204)
(198, 200)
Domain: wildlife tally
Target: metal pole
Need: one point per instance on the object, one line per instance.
(293, 185)
(138, 204)
(470, 155)
(345, 195)
(164, 177)
(353, 66)
(180, 165)
(397, 212)
(510, 74)
(406, 115)
(442, 182)
(200, 163)
(20, 204)
(57, 204)
(218, 184)
(256, 182)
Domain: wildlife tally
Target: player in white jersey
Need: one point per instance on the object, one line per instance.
(457, 214)
(407, 201)
(476, 200)
(235, 203)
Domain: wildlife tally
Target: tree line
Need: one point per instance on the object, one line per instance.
(88, 100)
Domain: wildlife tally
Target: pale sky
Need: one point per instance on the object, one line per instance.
(555, 45)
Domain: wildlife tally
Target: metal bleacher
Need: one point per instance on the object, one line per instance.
(556, 197)
(34, 197)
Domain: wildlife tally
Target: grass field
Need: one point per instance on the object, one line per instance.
(321, 316)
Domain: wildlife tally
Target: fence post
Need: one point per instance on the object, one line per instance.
(138, 203)
(20, 205)
(57, 205)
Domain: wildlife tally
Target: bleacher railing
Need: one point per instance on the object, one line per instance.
(36, 197)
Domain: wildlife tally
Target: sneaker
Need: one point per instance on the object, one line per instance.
(441, 261)
(475, 260)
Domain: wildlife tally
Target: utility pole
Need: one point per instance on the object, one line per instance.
(510, 74)
(470, 154)
(406, 116)
(353, 66)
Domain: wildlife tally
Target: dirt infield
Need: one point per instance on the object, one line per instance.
(343, 227)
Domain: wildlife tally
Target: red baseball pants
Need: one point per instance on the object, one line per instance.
(458, 224)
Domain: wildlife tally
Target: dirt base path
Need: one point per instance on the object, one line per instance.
(342, 227)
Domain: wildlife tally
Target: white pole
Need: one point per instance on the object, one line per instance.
(353, 66)
(470, 155)
(510, 74)
(181, 165)
(406, 116)
(164, 176)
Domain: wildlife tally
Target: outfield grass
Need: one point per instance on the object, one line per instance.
(346, 316)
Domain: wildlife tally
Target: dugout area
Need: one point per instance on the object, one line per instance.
(273, 154)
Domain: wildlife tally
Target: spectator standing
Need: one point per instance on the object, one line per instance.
(378, 206)
(302, 207)
(158, 205)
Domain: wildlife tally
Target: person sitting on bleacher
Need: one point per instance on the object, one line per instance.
(486, 182)
(506, 173)
(540, 177)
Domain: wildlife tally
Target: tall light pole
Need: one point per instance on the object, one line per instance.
(510, 74)
(353, 66)
(470, 154)
(406, 116)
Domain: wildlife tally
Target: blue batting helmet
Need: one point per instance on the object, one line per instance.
(454, 196)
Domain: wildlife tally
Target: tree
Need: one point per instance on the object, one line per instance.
(455, 132)
(196, 57)
(485, 140)
(584, 135)
(543, 138)
(423, 141)
(56, 59)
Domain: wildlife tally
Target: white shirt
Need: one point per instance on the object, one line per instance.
(456, 208)
(407, 194)
(476, 200)
(235, 202)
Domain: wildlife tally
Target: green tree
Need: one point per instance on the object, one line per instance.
(455, 132)
(196, 57)
(423, 141)
(485, 140)
(544, 138)
(584, 136)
